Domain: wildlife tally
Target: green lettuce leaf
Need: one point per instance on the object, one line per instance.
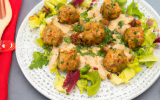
(54, 68)
(51, 6)
(86, 3)
(55, 2)
(135, 65)
(147, 57)
(123, 77)
(154, 24)
(150, 37)
(143, 23)
(82, 84)
(39, 41)
(94, 77)
(133, 9)
(115, 79)
(127, 74)
(41, 30)
(36, 20)
(58, 82)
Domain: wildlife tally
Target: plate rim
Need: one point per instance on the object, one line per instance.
(44, 93)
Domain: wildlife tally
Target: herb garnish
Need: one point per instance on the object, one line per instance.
(84, 14)
(121, 23)
(78, 29)
(67, 40)
(87, 19)
(40, 59)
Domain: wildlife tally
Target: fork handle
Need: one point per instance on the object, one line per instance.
(2, 9)
(5, 21)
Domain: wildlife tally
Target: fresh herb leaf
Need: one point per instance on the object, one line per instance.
(78, 29)
(47, 47)
(109, 12)
(100, 53)
(90, 52)
(121, 23)
(108, 36)
(58, 56)
(85, 69)
(87, 19)
(67, 40)
(39, 60)
(61, 62)
(84, 14)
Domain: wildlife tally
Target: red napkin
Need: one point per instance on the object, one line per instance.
(5, 58)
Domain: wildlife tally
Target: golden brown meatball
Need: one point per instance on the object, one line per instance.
(68, 60)
(68, 14)
(93, 34)
(134, 36)
(52, 35)
(115, 60)
(110, 10)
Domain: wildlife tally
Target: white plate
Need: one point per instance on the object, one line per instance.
(42, 79)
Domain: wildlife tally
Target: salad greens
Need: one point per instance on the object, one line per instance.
(85, 69)
(50, 6)
(133, 9)
(86, 3)
(135, 65)
(36, 20)
(56, 2)
(96, 81)
(58, 82)
(82, 84)
(141, 55)
(40, 59)
(147, 56)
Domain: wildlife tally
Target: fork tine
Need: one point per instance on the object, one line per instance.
(2, 9)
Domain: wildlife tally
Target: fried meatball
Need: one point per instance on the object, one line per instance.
(110, 10)
(68, 14)
(115, 60)
(68, 60)
(93, 34)
(52, 35)
(134, 36)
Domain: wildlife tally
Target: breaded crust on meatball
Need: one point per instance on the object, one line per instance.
(68, 60)
(110, 10)
(52, 35)
(115, 60)
(93, 34)
(68, 14)
(134, 36)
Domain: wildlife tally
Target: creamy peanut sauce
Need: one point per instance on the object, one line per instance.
(95, 13)
(88, 59)
(114, 23)
(64, 27)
